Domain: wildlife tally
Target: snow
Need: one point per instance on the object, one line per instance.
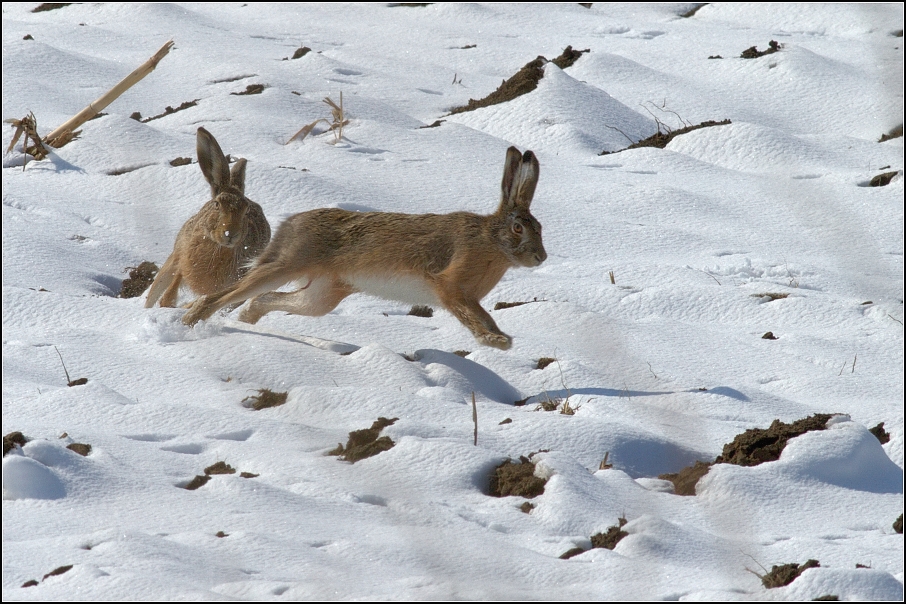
(664, 366)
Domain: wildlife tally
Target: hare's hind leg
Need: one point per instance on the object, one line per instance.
(261, 279)
(317, 298)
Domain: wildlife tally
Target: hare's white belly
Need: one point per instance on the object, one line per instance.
(410, 290)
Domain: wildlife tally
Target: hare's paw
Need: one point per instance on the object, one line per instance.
(250, 314)
(196, 312)
(497, 340)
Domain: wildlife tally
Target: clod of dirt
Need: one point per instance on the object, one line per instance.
(882, 180)
(167, 111)
(756, 446)
(77, 382)
(140, 279)
(501, 305)
(773, 296)
(769, 335)
(250, 89)
(462, 353)
(568, 57)
(544, 362)
(691, 12)
(715, 57)
(521, 402)
(786, 573)
(751, 448)
(895, 132)
(754, 53)
(366, 443)
(221, 467)
(861, 565)
(248, 475)
(432, 125)
(264, 399)
(421, 311)
(610, 539)
(411, 4)
(301, 52)
(586, 4)
(11, 440)
(527, 507)
(30, 583)
(897, 33)
(548, 404)
(197, 482)
(506, 421)
(826, 598)
(49, 6)
(572, 552)
(661, 139)
(898, 525)
(58, 571)
(27, 37)
(524, 81)
(221, 534)
(180, 161)
(82, 449)
(510, 478)
(880, 433)
(685, 480)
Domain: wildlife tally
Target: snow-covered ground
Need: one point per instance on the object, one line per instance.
(664, 366)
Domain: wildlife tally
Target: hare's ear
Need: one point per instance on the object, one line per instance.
(520, 176)
(237, 175)
(213, 164)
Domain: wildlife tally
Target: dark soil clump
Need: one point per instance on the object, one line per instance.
(58, 571)
(769, 335)
(685, 480)
(221, 534)
(11, 440)
(882, 180)
(435, 124)
(167, 111)
(527, 507)
(421, 311)
(880, 433)
(366, 443)
(751, 448)
(82, 449)
(250, 89)
(301, 52)
(510, 478)
(610, 539)
(786, 573)
(30, 583)
(221, 467)
(661, 139)
(462, 353)
(180, 161)
(895, 132)
(691, 12)
(264, 399)
(754, 53)
(248, 475)
(571, 552)
(46, 6)
(544, 362)
(197, 482)
(898, 525)
(524, 81)
(756, 446)
(140, 278)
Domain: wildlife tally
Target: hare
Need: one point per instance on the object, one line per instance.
(452, 260)
(215, 246)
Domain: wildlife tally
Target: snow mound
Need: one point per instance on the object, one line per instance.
(25, 478)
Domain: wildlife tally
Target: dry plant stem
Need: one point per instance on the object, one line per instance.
(68, 380)
(475, 417)
(111, 95)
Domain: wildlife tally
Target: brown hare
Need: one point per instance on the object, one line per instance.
(452, 260)
(215, 246)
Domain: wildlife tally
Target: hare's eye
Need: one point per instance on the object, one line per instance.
(517, 228)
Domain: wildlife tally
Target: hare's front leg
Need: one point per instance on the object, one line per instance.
(476, 319)
(315, 299)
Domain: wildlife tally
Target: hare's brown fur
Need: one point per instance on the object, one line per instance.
(453, 260)
(214, 247)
